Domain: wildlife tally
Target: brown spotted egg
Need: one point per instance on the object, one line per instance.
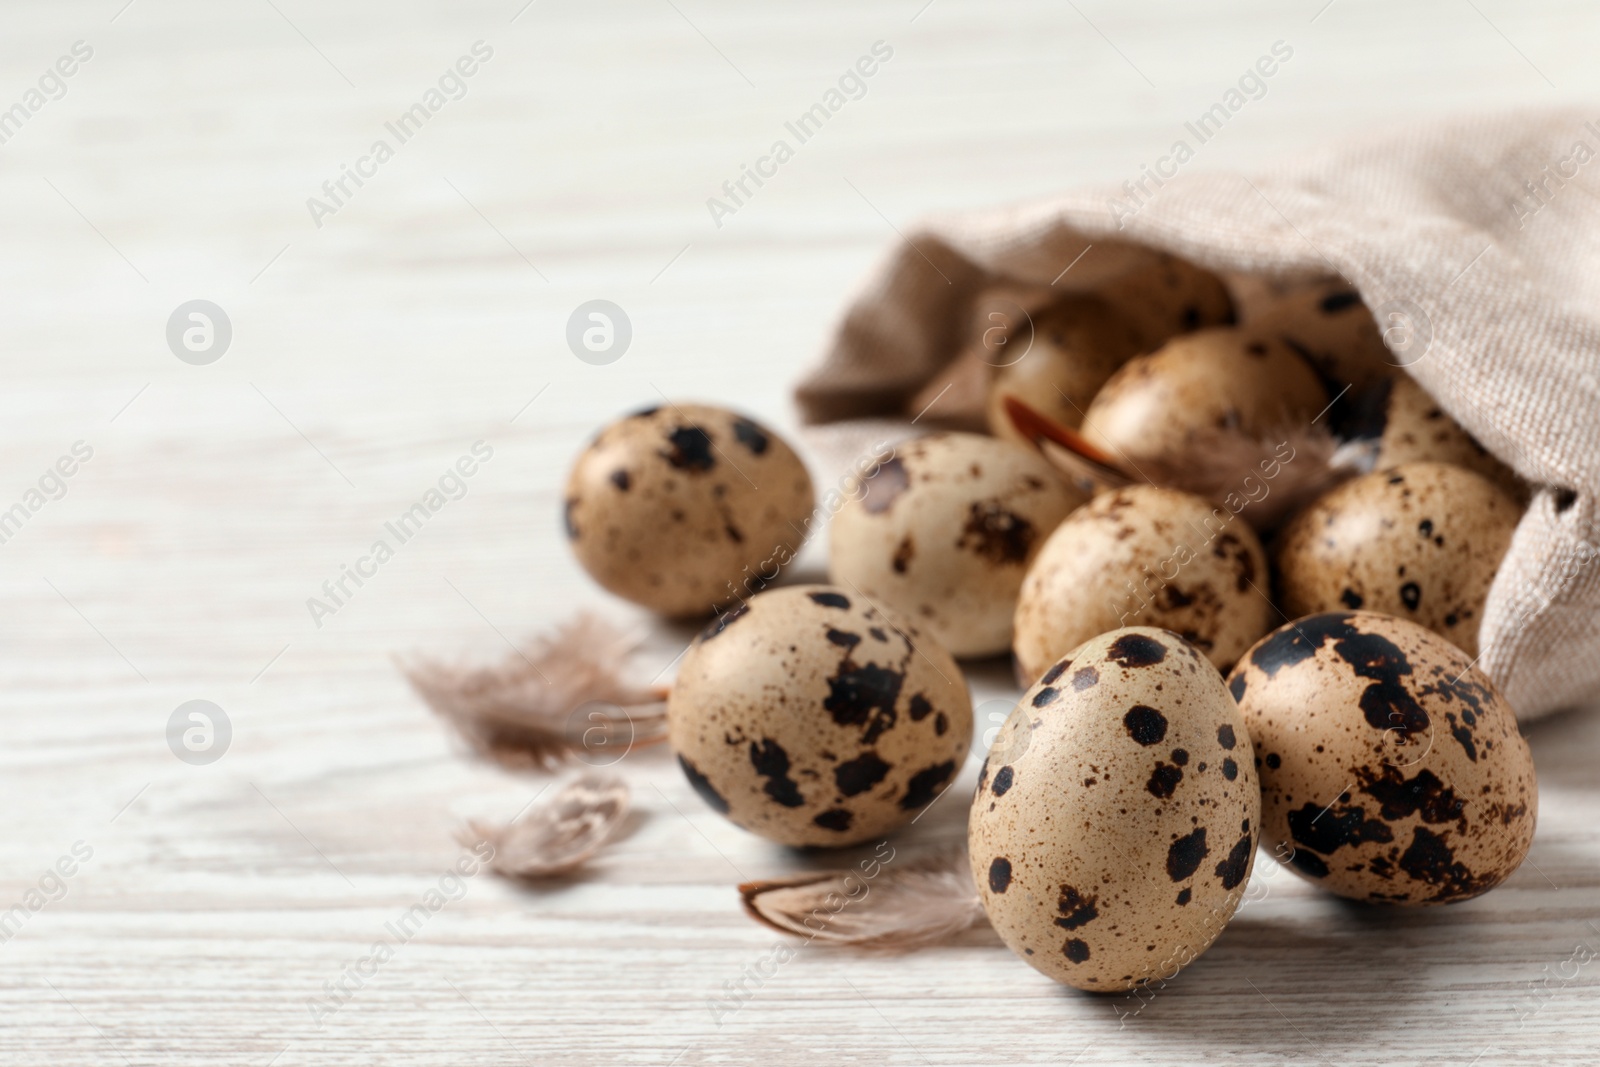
(1421, 541)
(1115, 821)
(1077, 343)
(1333, 330)
(944, 530)
(1159, 408)
(1166, 296)
(810, 716)
(1391, 769)
(1148, 556)
(684, 507)
(1406, 425)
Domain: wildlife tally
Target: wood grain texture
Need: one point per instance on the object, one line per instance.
(221, 901)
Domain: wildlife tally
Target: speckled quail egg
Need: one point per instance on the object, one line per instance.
(1332, 329)
(1254, 295)
(810, 716)
(1116, 817)
(1166, 296)
(1156, 410)
(944, 530)
(1391, 769)
(683, 507)
(1421, 541)
(1149, 556)
(1403, 424)
(1077, 343)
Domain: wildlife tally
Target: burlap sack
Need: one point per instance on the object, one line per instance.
(1477, 243)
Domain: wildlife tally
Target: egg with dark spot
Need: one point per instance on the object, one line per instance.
(685, 507)
(813, 717)
(1406, 425)
(1160, 407)
(1396, 771)
(1421, 541)
(1125, 849)
(1144, 556)
(1162, 296)
(1076, 344)
(1123, 301)
(1331, 327)
(944, 532)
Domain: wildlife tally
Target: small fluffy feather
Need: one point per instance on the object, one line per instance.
(559, 835)
(561, 695)
(1215, 465)
(1219, 462)
(913, 905)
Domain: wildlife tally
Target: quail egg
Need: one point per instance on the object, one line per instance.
(1077, 343)
(1332, 329)
(1421, 541)
(1391, 769)
(1157, 409)
(684, 507)
(1405, 425)
(1166, 296)
(1150, 556)
(810, 716)
(1115, 820)
(944, 530)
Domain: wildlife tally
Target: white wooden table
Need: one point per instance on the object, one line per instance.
(211, 907)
